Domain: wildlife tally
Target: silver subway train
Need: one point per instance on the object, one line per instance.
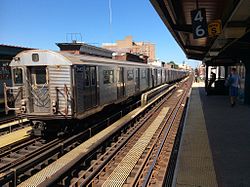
(53, 89)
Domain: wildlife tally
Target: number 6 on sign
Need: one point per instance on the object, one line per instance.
(199, 23)
(199, 31)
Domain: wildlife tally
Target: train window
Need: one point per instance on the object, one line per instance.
(35, 57)
(93, 76)
(41, 76)
(143, 74)
(119, 75)
(159, 72)
(87, 76)
(18, 75)
(108, 76)
(130, 74)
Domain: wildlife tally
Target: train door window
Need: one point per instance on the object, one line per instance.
(87, 76)
(18, 75)
(119, 75)
(165, 75)
(93, 76)
(130, 74)
(41, 77)
(143, 74)
(108, 76)
(136, 73)
(156, 76)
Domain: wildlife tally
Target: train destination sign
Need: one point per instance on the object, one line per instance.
(214, 28)
(199, 23)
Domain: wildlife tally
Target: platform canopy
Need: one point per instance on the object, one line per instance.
(9, 51)
(232, 44)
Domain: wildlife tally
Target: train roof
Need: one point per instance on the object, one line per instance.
(84, 59)
(48, 57)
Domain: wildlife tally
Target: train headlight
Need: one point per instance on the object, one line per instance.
(54, 103)
(54, 106)
(23, 109)
(23, 102)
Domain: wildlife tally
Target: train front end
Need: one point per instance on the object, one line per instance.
(41, 89)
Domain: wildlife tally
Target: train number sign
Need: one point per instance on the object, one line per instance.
(199, 23)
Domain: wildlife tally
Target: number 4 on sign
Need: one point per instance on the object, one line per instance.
(198, 16)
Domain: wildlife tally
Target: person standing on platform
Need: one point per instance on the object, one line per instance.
(212, 80)
(196, 75)
(234, 84)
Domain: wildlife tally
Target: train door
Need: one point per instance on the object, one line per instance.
(90, 88)
(149, 77)
(159, 76)
(156, 77)
(152, 72)
(38, 89)
(120, 83)
(166, 76)
(137, 79)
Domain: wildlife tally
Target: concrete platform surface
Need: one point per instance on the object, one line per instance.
(229, 136)
(215, 146)
(14, 136)
(195, 163)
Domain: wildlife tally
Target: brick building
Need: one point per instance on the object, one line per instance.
(129, 46)
(131, 57)
(82, 48)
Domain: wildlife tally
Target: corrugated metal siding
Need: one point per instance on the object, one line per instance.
(79, 87)
(58, 78)
(17, 97)
(158, 76)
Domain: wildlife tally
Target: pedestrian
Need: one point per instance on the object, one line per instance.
(234, 83)
(212, 80)
(196, 75)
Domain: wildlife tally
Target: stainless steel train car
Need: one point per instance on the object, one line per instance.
(55, 88)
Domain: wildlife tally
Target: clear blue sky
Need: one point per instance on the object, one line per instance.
(42, 23)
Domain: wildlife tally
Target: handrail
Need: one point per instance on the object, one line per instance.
(152, 93)
(6, 88)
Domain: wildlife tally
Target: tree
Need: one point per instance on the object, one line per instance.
(173, 65)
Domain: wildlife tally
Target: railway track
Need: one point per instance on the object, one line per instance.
(141, 156)
(14, 171)
(24, 158)
(139, 138)
(12, 123)
(7, 119)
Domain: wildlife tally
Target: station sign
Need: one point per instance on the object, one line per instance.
(214, 28)
(199, 23)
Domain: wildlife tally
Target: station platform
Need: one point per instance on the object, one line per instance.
(13, 123)
(14, 136)
(214, 149)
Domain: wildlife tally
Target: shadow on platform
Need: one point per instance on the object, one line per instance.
(229, 136)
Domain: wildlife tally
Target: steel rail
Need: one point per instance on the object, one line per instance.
(118, 146)
(145, 183)
(152, 147)
(80, 183)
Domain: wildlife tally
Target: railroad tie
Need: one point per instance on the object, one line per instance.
(124, 168)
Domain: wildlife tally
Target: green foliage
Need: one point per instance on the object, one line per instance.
(173, 65)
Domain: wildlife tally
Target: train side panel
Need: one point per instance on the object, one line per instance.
(60, 82)
(144, 79)
(107, 84)
(129, 74)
